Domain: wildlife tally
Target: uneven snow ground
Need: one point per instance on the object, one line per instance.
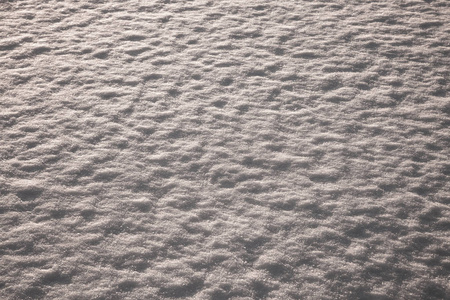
(224, 149)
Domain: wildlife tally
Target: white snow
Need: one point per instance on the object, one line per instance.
(219, 150)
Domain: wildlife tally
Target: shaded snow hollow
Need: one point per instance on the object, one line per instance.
(224, 149)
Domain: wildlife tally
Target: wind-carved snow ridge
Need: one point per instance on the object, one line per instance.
(224, 149)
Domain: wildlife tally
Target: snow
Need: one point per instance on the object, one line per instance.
(224, 149)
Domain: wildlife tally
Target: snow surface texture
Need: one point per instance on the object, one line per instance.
(224, 149)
